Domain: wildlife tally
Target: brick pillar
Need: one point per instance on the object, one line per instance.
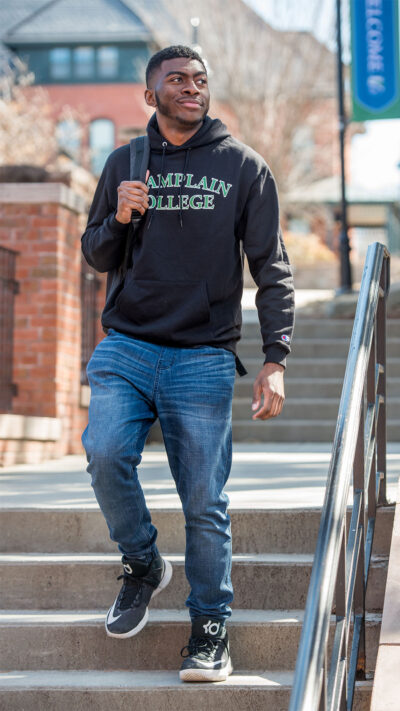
(44, 223)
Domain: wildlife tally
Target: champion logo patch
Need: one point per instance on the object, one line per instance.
(285, 338)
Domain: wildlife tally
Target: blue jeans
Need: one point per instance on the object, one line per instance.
(190, 390)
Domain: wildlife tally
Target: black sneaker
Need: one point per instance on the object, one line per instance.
(129, 613)
(208, 656)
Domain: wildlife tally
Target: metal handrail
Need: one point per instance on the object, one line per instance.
(341, 562)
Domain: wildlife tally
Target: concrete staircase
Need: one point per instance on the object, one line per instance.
(58, 571)
(313, 382)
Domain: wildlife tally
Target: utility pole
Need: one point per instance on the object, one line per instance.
(345, 266)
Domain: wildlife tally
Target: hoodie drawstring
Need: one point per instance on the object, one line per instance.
(185, 167)
(164, 145)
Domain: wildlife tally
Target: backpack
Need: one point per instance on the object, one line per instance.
(139, 160)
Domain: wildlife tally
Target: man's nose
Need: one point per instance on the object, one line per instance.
(191, 87)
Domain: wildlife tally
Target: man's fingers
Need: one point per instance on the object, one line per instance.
(134, 204)
(264, 412)
(131, 184)
(276, 406)
(257, 390)
(272, 406)
(269, 384)
(132, 193)
(126, 205)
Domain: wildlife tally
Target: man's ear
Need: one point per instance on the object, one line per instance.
(150, 98)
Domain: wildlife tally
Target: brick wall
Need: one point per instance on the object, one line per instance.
(44, 223)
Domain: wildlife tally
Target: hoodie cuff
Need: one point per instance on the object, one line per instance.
(117, 228)
(276, 354)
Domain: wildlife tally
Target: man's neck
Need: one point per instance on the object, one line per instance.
(176, 135)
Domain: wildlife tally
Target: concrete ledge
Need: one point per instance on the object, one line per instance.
(85, 396)
(386, 689)
(42, 193)
(26, 427)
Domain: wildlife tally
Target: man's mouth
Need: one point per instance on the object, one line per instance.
(190, 103)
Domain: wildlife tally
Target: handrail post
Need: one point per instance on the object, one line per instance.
(359, 588)
(381, 390)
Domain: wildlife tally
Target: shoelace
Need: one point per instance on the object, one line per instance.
(131, 592)
(203, 647)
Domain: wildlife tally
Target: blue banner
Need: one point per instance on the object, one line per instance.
(375, 59)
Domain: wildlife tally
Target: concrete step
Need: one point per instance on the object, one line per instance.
(317, 367)
(253, 530)
(303, 367)
(309, 387)
(315, 328)
(298, 387)
(308, 408)
(148, 691)
(279, 430)
(313, 348)
(283, 429)
(88, 581)
(259, 639)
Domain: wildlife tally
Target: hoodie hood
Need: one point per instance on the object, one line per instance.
(210, 131)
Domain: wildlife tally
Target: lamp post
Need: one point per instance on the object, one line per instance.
(345, 266)
(195, 22)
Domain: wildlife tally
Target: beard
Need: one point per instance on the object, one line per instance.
(169, 112)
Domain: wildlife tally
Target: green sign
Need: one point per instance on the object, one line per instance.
(375, 53)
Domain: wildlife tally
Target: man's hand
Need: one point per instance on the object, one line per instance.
(132, 195)
(269, 383)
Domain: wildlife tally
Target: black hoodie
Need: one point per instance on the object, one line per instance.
(207, 197)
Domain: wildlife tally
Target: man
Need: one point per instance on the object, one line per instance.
(172, 329)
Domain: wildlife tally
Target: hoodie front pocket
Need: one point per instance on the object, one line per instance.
(165, 309)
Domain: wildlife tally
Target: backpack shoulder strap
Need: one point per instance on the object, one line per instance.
(139, 160)
(140, 150)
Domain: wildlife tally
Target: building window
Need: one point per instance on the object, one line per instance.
(83, 62)
(60, 63)
(107, 62)
(102, 140)
(68, 135)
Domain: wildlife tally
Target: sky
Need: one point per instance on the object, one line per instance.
(375, 155)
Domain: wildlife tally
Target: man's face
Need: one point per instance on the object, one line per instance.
(179, 91)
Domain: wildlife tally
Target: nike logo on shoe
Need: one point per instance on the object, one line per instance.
(110, 617)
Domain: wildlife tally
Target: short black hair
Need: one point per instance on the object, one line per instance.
(178, 50)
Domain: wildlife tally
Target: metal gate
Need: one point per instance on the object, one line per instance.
(8, 289)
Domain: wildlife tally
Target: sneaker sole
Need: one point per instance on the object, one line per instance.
(166, 578)
(206, 674)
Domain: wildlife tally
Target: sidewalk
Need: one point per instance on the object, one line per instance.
(263, 476)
